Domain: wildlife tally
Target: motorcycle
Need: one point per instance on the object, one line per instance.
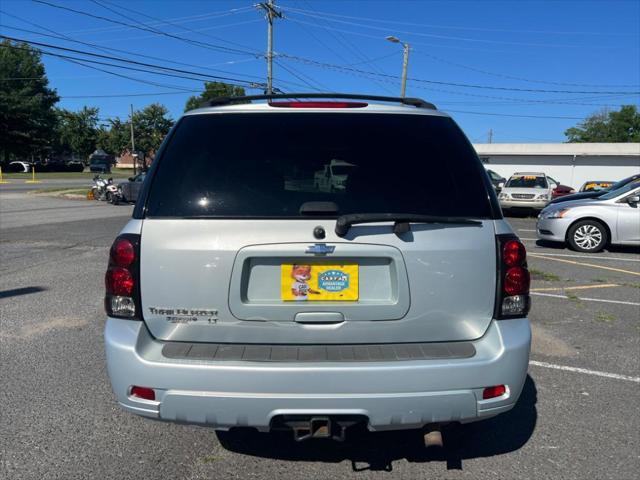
(114, 194)
(111, 189)
(99, 188)
(105, 190)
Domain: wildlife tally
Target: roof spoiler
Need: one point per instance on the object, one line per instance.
(414, 102)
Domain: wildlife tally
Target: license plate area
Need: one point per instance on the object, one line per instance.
(318, 282)
(261, 283)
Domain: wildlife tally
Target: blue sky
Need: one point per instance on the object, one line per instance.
(513, 67)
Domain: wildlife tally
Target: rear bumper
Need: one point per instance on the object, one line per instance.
(392, 395)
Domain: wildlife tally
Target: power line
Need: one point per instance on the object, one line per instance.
(237, 82)
(300, 77)
(310, 12)
(453, 84)
(206, 45)
(516, 115)
(377, 37)
(187, 19)
(125, 95)
(159, 32)
(345, 42)
(103, 48)
(522, 79)
(139, 80)
(123, 60)
(166, 22)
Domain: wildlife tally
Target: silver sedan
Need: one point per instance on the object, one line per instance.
(589, 225)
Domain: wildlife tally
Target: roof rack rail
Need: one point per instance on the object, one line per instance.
(415, 102)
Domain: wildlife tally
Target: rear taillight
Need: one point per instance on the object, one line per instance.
(493, 392)
(122, 280)
(512, 299)
(145, 393)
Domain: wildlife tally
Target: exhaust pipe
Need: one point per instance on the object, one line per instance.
(433, 437)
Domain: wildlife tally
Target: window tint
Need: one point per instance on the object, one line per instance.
(268, 165)
(527, 181)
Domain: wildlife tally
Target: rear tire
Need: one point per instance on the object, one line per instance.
(588, 236)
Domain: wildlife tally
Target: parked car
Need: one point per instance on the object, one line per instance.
(19, 166)
(131, 188)
(496, 180)
(590, 224)
(526, 190)
(597, 193)
(560, 190)
(595, 185)
(235, 298)
(101, 162)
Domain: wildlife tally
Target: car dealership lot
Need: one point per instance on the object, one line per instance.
(577, 417)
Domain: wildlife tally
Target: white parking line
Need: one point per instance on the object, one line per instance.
(529, 239)
(584, 299)
(566, 368)
(525, 230)
(617, 259)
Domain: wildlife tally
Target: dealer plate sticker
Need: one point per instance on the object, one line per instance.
(319, 282)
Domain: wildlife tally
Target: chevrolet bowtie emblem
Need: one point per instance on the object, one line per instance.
(320, 249)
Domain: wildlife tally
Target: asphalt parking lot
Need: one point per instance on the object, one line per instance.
(577, 418)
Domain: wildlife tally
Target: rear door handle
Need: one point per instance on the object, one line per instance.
(319, 317)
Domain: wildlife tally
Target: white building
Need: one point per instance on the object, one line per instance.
(570, 163)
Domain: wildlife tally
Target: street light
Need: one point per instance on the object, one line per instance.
(405, 62)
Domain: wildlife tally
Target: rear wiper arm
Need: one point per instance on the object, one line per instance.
(401, 220)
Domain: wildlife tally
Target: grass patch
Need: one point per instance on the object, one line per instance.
(540, 275)
(605, 317)
(209, 459)
(631, 285)
(60, 191)
(573, 297)
(599, 280)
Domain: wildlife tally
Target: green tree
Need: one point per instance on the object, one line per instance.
(608, 126)
(214, 90)
(77, 132)
(151, 125)
(27, 116)
(116, 139)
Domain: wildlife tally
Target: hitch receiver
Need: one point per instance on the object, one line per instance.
(305, 428)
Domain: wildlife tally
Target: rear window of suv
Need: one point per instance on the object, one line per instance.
(267, 165)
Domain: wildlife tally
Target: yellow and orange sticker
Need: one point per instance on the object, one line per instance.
(319, 282)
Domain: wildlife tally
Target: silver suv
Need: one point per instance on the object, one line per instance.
(242, 294)
(527, 190)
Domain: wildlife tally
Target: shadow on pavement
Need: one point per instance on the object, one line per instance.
(377, 451)
(21, 291)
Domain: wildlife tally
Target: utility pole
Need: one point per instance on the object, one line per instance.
(405, 67)
(271, 14)
(405, 62)
(133, 144)
(491, 135)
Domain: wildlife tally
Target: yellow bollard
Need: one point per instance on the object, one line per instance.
(1, 179)
(33, 176)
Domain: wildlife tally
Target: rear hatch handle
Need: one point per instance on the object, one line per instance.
(401, 221)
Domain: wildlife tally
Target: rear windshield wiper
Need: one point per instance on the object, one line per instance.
(401, 221)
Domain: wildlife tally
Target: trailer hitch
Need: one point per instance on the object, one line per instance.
(306, 428)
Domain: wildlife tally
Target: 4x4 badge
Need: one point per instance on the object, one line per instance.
(320, 249)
